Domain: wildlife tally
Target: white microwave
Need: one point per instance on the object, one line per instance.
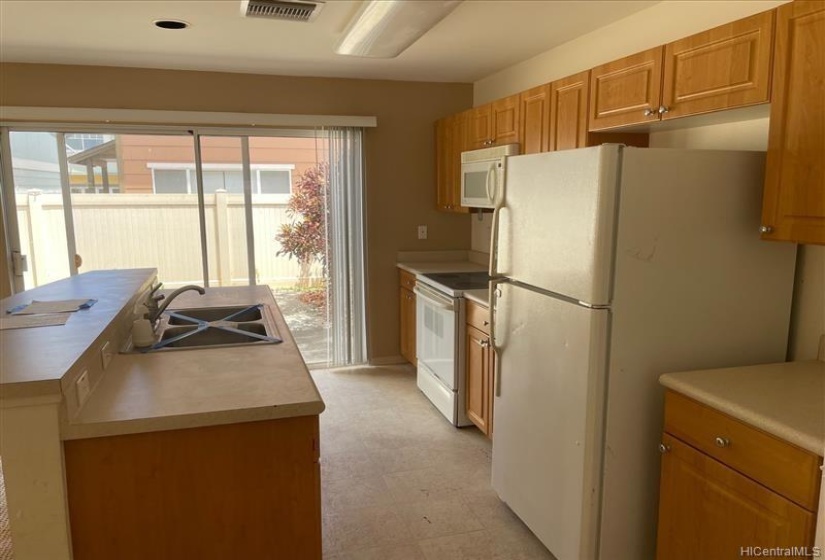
(482, 175)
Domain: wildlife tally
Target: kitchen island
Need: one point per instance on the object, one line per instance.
(207, 453)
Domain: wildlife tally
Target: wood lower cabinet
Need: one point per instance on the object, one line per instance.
(626, 91)
(727, 486)
(794, 198)
(480, 363)
(407, 316)
(728, 66)
(249, 490)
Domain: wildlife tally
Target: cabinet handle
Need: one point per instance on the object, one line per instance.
(663, 109)
(765, 229)
(663, 448)
(722, 442)
(648, 112)
(486, 323)
(482, 343)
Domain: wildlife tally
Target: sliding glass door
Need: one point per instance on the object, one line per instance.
(212, 207)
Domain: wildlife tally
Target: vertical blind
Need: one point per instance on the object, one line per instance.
(346, 246)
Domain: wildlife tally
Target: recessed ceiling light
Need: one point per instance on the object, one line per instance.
(171, 23)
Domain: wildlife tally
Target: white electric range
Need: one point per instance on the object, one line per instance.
(440, 333)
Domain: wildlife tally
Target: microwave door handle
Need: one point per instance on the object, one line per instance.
(487, 187)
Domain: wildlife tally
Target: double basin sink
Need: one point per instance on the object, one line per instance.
(210, 327)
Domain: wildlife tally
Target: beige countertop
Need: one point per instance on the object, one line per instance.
(189, 388)
(786, 400)
(479, 296)
(425, 267)
(34, 360)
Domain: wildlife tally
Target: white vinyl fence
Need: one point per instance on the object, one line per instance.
(157, 231)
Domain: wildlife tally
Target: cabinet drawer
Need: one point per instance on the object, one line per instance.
(407, 279)
(784, 468)
(478, 316)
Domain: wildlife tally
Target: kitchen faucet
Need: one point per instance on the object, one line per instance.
(152, 300)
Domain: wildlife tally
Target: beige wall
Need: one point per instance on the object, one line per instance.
(659, 24)
(399, 151)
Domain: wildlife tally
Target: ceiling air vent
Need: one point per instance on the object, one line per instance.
(292, 10)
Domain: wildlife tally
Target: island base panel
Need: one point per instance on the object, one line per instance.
(249, 490)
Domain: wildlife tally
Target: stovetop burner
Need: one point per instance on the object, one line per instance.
(460, 281)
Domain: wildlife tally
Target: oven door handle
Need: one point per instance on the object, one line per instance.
(433, 298)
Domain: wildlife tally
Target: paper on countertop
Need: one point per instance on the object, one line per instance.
(27, 321)
(60, 306)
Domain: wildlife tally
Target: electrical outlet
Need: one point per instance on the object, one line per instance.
(83, 388)
(422, 232)
(105, 355)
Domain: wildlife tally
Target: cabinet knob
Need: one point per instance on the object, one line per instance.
(722, 442)
(663, 109)
(663, 448)
(766, 229)
(486, 323)
(648, 112)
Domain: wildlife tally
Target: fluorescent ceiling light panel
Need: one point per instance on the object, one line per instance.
(385, 28)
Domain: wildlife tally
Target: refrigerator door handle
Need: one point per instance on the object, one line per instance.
(494, 295)
(499, 204)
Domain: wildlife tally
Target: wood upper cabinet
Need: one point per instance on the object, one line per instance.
(505, 117)
(626, 91)
(480, 127)
(407, 322)
(568, 112)
(722, 68)
(534, 112)
(726, 485)
(449, 143)
(794, 199)
(728, 66)
(494, 124)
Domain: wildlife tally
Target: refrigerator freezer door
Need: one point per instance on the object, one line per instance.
(557, 220)
(548, 416)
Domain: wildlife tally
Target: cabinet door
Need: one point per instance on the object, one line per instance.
(480, 127)
(707, 510)
(722, 68)
(449, 143)
(534, 112)
(568, 112)
(794, 200)
(506, 125)
(626, 91)
(407, 325)
(477, 348)
(444, 163)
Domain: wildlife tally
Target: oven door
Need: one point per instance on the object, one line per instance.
(436, 322)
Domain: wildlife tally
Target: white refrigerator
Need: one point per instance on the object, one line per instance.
(613, 265)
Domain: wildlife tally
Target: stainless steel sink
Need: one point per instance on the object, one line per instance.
(209, 314)
(211, 327)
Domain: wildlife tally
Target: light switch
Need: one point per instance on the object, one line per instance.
(422, 232)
